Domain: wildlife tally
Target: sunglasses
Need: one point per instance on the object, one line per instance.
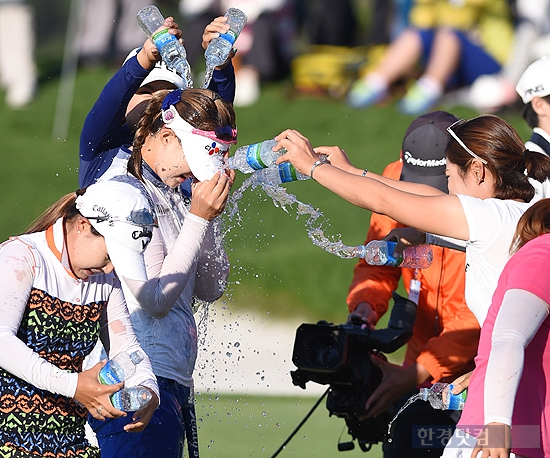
(224, 134)
(461, 143)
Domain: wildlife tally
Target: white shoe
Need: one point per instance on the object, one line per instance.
(248, 87)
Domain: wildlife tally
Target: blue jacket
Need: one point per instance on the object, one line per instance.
(105, 131)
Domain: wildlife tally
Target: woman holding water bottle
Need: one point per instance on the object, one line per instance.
(445, 336)
(110, 125)
(508, 402)
(59, 296)
(488, 171)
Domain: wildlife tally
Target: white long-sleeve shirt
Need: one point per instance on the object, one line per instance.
(185, 260)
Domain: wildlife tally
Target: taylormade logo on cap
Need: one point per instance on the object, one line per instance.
(414, 161)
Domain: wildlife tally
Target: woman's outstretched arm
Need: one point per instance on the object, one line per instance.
(439, 214)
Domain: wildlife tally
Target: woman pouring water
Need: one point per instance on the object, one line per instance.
(487, 171)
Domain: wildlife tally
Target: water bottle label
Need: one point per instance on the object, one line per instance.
(229, 36)
(253, 157)
(287, 172)
(107, 376)
(391, 260)
(163, 38)
(456, 401)
(116, 400)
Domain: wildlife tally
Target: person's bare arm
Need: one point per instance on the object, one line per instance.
(339, 158)
(409, 209)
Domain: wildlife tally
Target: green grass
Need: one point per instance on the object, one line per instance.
(275, 267)
(255, 427)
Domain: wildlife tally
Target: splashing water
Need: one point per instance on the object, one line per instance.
(288, 202)
(208, 76)
(413, 398)
(231, 217)
(187, 77)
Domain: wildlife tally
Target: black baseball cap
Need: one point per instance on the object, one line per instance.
(423, 150)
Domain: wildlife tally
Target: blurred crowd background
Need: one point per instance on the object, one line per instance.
(323, 47)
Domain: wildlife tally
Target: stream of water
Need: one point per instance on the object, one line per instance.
(413, 398)
(315, 223)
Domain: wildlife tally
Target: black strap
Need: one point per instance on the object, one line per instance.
(539, 140)
(190, 422)
(283, 445)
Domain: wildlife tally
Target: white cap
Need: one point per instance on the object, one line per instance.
(122, 214)
(535, 81)
(159, 73)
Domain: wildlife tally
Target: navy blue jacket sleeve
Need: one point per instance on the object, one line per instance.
(104, 127)
(223, 82)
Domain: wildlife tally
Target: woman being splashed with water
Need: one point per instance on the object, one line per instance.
(181, 135)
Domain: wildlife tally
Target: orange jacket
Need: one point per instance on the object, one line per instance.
(446, 333)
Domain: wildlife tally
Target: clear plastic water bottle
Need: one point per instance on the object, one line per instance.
(131, 399)
(278, 174)
(170, 48)
(119, 368)
(380, 253)
(219, 48)
(440, 397)
(256, 156)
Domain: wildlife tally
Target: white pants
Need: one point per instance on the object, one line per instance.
(17, 40)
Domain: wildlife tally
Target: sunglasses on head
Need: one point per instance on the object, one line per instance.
(460, 142)
(224, 134)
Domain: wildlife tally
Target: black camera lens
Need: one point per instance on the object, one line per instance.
(325, 352)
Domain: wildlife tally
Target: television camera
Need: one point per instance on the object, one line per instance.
(339, 356)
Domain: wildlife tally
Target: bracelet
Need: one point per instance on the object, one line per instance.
(322, 160)
(365, 171)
